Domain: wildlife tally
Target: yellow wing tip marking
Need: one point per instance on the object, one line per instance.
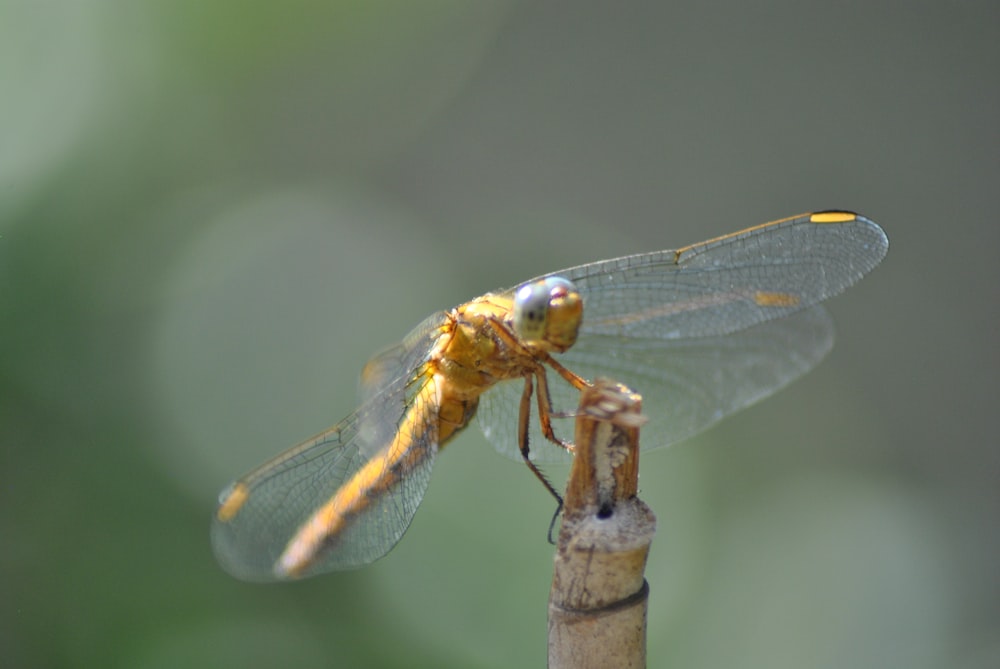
(815, 217)
(234, 500)
(832, 217)
(765, 298)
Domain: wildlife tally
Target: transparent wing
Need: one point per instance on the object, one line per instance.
(397, 363)
(705, 330)
(284, 493)
(686, 384)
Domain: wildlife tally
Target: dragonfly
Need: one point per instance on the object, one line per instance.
(701, 331)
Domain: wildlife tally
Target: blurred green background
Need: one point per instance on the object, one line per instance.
(212, 213)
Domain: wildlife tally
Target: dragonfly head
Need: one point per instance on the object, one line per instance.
(547, 313)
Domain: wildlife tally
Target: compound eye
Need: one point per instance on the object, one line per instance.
(531, 310)
(548, 311)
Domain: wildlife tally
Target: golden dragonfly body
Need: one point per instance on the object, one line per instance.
(701, 331)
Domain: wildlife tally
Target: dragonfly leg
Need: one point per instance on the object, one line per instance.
(572, 378)
(545, 411)
(523, 421)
